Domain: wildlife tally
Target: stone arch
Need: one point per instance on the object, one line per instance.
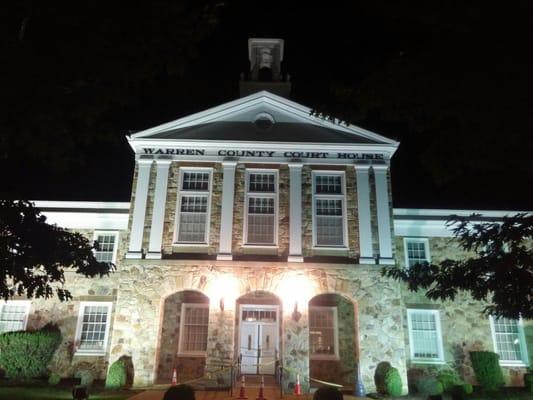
(189, 362)
(333, 352)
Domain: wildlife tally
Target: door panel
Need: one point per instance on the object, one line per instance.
(269, 340)
(249, 348)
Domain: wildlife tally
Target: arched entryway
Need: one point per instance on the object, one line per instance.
(258, 332)
(184, 329)
(332, 339)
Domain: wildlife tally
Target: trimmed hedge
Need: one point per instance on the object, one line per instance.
(448, 378)
(393, 382)
(25, 355)
(460, 392)
(528, 381)
(379, 376)
(116, 376)
(429, 386)
(54, 379)
(487, 369)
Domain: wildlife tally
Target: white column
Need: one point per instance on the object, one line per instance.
(158, 214)
(139, 208)
(226, 217)
(366, 253)
(383, 211)
(295, 213)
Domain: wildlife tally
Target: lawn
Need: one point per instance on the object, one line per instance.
(504, 394)
(45, 392)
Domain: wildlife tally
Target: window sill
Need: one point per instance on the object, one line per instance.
(190, 244)
(513, 364)
(85, 353)
(260, 246)
(339, 248)
(435, 362)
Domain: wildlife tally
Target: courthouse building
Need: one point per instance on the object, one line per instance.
(257, 232)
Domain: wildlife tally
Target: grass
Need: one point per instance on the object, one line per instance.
(507, 393)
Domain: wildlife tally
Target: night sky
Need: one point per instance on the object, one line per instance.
(451, 80)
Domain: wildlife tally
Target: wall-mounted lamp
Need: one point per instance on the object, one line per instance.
(221, 304)
(296, 315)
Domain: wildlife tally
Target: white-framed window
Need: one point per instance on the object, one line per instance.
(194, 206)
(108, 246)
(14, 315)
(416, 251)
(193, 329)
(260, 221)
(425, 336)
(323, 333)
(509, 341)
(329, 209)
(92, 331)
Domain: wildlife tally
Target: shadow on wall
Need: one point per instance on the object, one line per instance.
(130, 372)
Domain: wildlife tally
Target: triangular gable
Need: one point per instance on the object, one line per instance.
(244, 109)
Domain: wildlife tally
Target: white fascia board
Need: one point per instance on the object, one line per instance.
(446, 213)
(108, 205)
(236, 106)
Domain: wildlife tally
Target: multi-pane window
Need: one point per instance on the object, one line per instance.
(193, 215)
(329, 214)
(323, 336)
(425, 336)
(107, 246)
(416, 251)
(93, 327)
(194, 323)
(261, 198)
(509, 341)
(13, 315)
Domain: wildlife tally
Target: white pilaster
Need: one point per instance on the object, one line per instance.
(226, 217)
(366, 253)
(139, 208)
(295, 213)
(383, 211)
(158, 214)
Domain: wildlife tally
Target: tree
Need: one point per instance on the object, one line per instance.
(498, 268)
(34, 255)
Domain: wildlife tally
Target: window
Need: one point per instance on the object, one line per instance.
(509, 341)
(425, 336)
(193, 331)
(416, 251)
(193, 205)
(323, 335)
(14, 315)
(93, 327)
(329, 209)
(261, 206)
(108, 244)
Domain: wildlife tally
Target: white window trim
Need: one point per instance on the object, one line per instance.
(181, 192)
(274, 196)
(523, 347)
(182, 352)
(115, 247)
(416, 360)
(335, 335)
(25, 303)
(425, 241)
(341, 196)
(103, 351)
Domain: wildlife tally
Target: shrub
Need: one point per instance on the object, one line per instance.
(25, 355)
(116, 376)
(459, 392)
(487, 369)
(448, 378)
(54, 379)
(429, 386)
(86, 377)
(182, 392)
(393, 382)
(379, 376)
(528, 381)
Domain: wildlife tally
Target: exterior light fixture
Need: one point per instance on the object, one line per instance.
(296, 315)
(221, 304)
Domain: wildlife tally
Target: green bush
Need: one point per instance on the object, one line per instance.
(429, 386)
(448, 378)
(487, 370)
(528, 381)
(54, 379)
(459, 392)
(379, 376)
(25, 355)
(393, 382)
(86, 377)
(116, 376)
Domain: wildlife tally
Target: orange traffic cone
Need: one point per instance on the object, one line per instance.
(174, 377)
(261, 389)
(297, 387)
(242, 394)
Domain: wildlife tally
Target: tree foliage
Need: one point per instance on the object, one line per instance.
(34, 255)
(497, 268)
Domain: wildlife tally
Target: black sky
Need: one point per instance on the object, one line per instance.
(450, 79)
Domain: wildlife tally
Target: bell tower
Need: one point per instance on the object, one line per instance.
(265, 56)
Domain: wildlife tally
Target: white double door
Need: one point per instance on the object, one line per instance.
(258, 339)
